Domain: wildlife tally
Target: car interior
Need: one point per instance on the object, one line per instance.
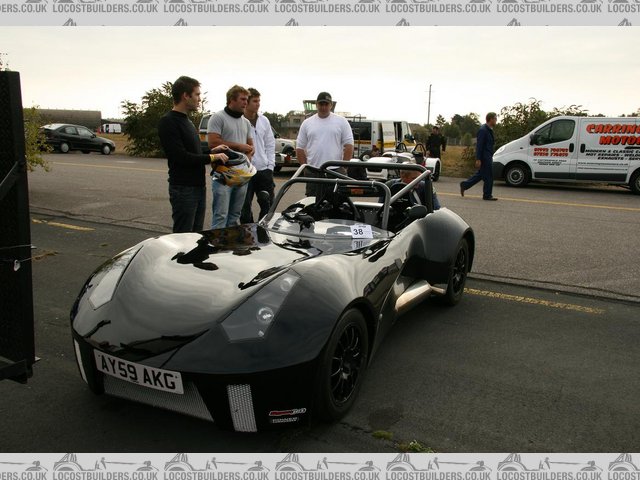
(341, 201)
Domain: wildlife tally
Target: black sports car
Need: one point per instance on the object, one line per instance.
(265, 324)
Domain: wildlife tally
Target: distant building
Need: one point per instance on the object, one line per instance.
(92, 119)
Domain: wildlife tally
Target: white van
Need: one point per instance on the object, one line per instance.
(386, 135)
(574, 149)
(111, 128)
(395, 143)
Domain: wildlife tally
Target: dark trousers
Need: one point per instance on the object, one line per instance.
(485, 173)
(262, 181)
(188, 205)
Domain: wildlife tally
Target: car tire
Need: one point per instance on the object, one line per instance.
(365, 156)
(458, 275)
(634, 183)
(64, 147)
(105, 150)
(517, 175)
(436, 174)
(342, 366)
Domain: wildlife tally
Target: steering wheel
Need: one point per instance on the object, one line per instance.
(344, 206)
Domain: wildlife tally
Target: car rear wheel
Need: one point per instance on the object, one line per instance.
(64, 147)
(635, 183)
(517, 175)
(106, 150)
(342, 366)
(458, 275)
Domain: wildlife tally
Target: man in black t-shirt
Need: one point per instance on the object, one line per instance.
(181, 144)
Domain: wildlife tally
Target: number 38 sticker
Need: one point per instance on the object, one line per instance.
(361, 231)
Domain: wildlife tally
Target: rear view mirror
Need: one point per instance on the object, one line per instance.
(416, 212)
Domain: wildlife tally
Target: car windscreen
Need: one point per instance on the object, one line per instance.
(332, 228)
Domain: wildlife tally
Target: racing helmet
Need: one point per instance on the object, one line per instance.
(237, 171)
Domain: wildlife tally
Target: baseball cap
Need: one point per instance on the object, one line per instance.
(324, 97)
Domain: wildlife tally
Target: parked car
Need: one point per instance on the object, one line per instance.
(65, 137)
(265, 325)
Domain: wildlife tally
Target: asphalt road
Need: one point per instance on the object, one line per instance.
(511, 368)
(580, 239)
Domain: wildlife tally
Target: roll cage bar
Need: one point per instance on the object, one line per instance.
(345, 180)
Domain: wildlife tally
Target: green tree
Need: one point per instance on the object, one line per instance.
(419, 132)
(34, 140)
(517, 120)
(451, 131)
(469, 123)
(141, 120)
(275, 119)
(440, 121)
(570, 111)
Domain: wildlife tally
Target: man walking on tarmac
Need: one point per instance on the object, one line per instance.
(484, 159)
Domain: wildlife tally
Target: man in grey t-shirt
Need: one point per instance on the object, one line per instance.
(229, 127)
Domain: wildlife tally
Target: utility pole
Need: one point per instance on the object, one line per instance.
(429, 107)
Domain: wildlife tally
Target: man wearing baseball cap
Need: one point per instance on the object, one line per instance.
(323, 137)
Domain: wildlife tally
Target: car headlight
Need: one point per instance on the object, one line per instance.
(104, 282)
(254, 317)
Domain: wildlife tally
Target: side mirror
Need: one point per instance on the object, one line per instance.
(276, 135)
(93, 135)
(533, 138)
(416, 212)
(409, 138)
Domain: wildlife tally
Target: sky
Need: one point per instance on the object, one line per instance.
(377, 72)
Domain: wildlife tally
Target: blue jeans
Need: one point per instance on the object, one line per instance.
(485, 173)
(187, 207)
(227, 204)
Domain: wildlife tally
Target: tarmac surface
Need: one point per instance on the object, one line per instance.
(511, 368)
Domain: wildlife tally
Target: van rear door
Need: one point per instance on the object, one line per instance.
(388, 136)
(552, 151)
(607, 146)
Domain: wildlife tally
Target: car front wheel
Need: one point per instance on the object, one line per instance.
(106, 150)
(342, 366)
(64, 147)
(635, 183)
(517, 175)
(458, 275)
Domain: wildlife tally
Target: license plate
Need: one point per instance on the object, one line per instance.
(164, 380)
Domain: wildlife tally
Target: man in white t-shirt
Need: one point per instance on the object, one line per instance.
(323, 137)
(264, 159)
